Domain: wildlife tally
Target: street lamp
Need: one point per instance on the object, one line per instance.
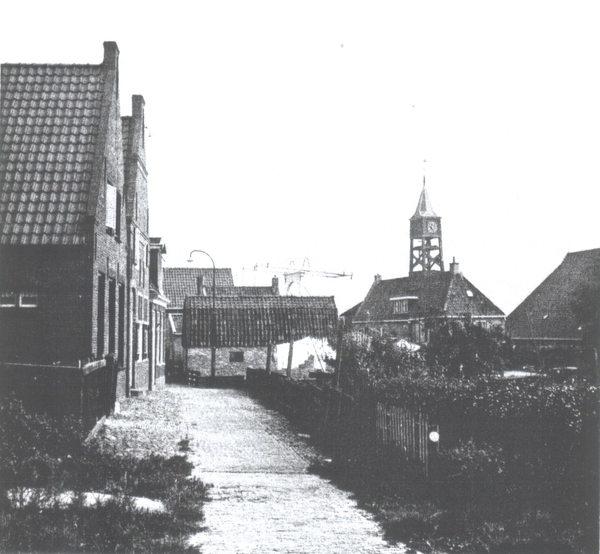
(213, 349)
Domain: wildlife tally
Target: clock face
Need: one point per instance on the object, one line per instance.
(431, 226)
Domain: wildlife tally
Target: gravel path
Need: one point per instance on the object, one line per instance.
(263, 499)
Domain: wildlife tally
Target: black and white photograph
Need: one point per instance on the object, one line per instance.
(315, 277)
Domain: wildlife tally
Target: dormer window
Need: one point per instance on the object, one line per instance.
(403, 304)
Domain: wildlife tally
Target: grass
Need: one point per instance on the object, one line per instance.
(435, 518)
(46, 459)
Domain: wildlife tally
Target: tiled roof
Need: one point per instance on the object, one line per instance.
(49, 121)
(242, 291)
(179, 282)
(547, 312)
(436, 292)
(257, 321)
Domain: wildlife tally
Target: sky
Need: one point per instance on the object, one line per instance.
(300, 132)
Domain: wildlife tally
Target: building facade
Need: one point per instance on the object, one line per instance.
(66, 214)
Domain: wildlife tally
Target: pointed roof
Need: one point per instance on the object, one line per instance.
(547, 313)
(424, 207)
(179, 282)
(50, 125)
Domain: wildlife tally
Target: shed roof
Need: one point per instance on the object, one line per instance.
(257, 321)
(49, 127)
(547, 313)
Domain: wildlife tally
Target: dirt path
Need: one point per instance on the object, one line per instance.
(263, 499)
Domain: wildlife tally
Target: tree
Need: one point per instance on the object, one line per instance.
(465, 349)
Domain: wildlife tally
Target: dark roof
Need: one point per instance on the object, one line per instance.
(435, 293)
(242, 291)
(424, 207)
(179, 282)
(547, 313)
(49, 126)
(257, 320)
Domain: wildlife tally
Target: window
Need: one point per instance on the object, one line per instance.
(402, 304)
(111, 207)
(118, 217)
(28, 300)
(100, 314)
(144, 342)
(236, 357)
(469, 293)
(8, 299)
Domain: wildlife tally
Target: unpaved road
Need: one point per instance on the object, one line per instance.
(263, 499)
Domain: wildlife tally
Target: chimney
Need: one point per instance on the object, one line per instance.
(275, 285)
(111, 55)
(200, 285)
(454, 267)
(138, 125)
(378, 278)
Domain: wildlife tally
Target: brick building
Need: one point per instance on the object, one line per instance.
(180, 282)
(405, 307)
(245, 330)
(74, 200)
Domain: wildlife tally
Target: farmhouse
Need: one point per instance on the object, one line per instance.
(553, 315)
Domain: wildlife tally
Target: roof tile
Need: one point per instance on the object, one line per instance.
(547, 313)
(49, 116)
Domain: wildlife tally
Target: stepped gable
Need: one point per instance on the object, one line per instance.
(50, 120)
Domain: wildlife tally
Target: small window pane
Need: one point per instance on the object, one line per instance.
(29, 300)
(236, 356)
(8, 299)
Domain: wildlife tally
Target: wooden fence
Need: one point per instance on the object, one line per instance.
(349, 428)
(85, 393)
(406, 431)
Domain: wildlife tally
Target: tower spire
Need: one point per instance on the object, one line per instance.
(425, 237)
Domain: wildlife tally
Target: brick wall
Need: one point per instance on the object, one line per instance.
(59, 328)
(199, 360)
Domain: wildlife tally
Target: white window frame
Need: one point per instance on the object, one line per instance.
(23, 304)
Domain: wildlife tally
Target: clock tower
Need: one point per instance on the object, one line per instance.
(425, 237)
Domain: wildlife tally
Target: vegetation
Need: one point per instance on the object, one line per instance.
(517, 464)
(41, 460)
